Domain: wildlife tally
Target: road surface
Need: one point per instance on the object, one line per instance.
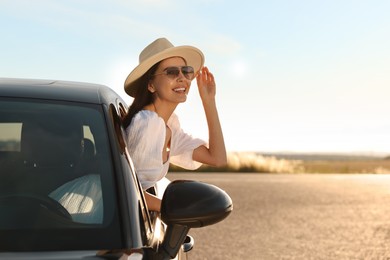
(297, 217)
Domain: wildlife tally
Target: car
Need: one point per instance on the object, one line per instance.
(68, 187)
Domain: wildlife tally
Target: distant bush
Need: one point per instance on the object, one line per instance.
(253, 162)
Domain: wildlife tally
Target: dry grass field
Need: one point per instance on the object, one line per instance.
(301, 163)
(347, 166)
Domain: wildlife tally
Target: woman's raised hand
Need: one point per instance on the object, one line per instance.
(206, 84)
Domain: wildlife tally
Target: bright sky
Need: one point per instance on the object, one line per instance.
(301, 76)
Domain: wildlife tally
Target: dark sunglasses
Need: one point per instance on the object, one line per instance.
(173, 72)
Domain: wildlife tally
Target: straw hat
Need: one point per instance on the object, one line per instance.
(157, 51)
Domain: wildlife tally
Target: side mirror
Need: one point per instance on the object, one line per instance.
(194, 204)
(190, 204)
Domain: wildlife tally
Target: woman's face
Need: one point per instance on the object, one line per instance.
(168, 87)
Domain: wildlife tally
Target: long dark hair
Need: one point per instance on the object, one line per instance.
(142, 97)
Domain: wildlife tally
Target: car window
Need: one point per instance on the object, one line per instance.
(56, 171)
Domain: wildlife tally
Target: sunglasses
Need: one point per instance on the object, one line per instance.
(173, 72)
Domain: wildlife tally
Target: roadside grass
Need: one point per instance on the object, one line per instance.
(375, 166)
(255, 162)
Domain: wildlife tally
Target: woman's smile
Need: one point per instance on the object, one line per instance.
(181, 90)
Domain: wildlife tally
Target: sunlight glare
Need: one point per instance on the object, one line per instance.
(239, 69)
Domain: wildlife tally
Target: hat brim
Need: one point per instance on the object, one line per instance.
(193, 57)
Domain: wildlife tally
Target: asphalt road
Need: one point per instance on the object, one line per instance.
(297, 217)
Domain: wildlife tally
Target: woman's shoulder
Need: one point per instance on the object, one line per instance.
(173, 121)
(146, 114)
(146, 119)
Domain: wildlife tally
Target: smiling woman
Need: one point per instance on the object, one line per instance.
(159, 84)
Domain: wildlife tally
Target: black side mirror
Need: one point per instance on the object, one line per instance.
(191, 204)
(194, 204)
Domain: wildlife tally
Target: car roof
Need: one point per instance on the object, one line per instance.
(57, 90)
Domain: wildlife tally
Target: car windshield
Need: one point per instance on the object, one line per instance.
(56, 177)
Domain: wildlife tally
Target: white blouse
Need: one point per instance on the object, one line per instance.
(145, 142)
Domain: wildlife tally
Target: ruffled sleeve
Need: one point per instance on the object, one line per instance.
(183, 145)
(145, 141)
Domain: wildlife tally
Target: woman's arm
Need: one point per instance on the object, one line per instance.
(154, 203)
(215, 155)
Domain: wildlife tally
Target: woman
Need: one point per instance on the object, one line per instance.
(158, 84)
